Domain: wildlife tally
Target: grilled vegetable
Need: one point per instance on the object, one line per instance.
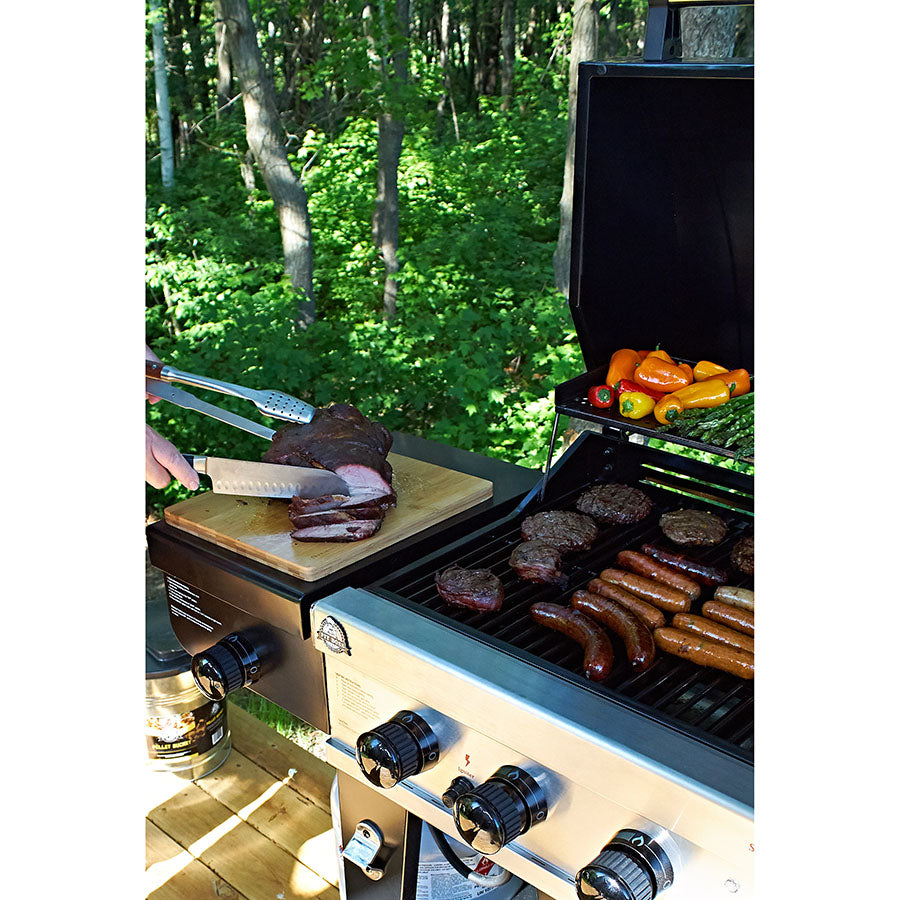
(668, 409)
(729, 425)
(635, 405)
(625, 385)
(706, 369)
(601, 396)
(685, 367)
(738, 381)
(622, 365)
(659, 375)
(704, 394)
(660, 354)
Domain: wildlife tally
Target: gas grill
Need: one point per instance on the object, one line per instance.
(481, 726)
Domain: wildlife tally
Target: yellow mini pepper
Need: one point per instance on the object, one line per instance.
(634, 405)
(705, 369)
(668, 409)
(703, 394)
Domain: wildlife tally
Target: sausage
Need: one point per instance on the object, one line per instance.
(636, 635)
(641, 564)
(704, 652)
(733, 616)
(645, 611)
(713, 630)
(660, 595)
(598, 649)
(735, 596)
(709, 576)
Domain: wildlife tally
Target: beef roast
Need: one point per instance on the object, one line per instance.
(618, 504)
(472, 588)
(563, 529)
(537, 561)
(339, 438)
(694, 527)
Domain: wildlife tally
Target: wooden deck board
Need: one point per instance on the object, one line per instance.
(257, 827)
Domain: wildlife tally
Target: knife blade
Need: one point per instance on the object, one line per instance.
(257, 479)
(165, 391)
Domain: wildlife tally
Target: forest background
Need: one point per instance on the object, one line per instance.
(369, 202)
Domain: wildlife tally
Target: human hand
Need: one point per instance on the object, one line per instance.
(163, 461)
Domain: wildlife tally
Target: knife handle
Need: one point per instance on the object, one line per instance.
(197, 463)
(155, 369)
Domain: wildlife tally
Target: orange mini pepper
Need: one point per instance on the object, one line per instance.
(621, 365)
(706, 369)
(703, 394)
(738, 381)
(686, 368)
(643, 354)
(661, 354)
(668, 409)
(660, 375)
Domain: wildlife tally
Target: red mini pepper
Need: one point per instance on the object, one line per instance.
(601, 396)
(625, 385)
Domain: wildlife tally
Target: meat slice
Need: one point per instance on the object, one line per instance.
(565, 530)
(538, 561)
(340, 532)
(336, 516)
(472, 588)
(694, 527)
(618, 504)
(339, 438)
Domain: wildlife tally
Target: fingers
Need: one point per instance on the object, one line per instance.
(163, 460)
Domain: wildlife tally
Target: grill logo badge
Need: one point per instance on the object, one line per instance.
(331, 633)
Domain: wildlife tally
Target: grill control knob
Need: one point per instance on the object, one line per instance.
(493, 814)
(632, 866)
(458, 786)
(402, 747)
(236, 661)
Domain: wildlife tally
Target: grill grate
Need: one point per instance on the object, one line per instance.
(708, 704)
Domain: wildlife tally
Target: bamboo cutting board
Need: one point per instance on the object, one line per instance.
(260, 529)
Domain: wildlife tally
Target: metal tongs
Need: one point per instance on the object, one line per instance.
(271, 403)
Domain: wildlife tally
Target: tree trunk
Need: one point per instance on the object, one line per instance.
(163, 116)
(386, 217)
(224, 90)
(447, 96)
(264, 138)
(709, 32)
(507, 52)
(585, 32)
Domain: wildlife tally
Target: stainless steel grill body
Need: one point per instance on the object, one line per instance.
(602, 767)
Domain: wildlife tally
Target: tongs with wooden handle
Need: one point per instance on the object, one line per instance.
(271, 403)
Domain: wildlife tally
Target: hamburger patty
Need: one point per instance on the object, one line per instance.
(742, 555)
(693, 527)
(565, 530)
(619, 504)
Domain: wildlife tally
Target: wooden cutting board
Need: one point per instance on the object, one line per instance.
(260, 529)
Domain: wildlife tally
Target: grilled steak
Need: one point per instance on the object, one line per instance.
(565, 530)
(537, 561)
(339, 438)
(742, 555)
(694, 527)
(619, 504)
(472, 588)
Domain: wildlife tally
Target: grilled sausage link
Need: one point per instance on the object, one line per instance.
(733, 616)
(598, 649)
(641, 564)
(660, 595)
(709, 576)
(636, 635)
(705, 652)
(714, 630)
(646, 612)
(735, 596)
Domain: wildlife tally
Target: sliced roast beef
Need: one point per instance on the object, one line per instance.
(340, 532)
(335, 516)
(538, 561)
(339, 438)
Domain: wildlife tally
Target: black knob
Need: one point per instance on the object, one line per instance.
(632, 866)
(402, 747)
(505, 806)
(458, 786)
(234, 662)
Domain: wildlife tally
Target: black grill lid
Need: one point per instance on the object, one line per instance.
(662, 227)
